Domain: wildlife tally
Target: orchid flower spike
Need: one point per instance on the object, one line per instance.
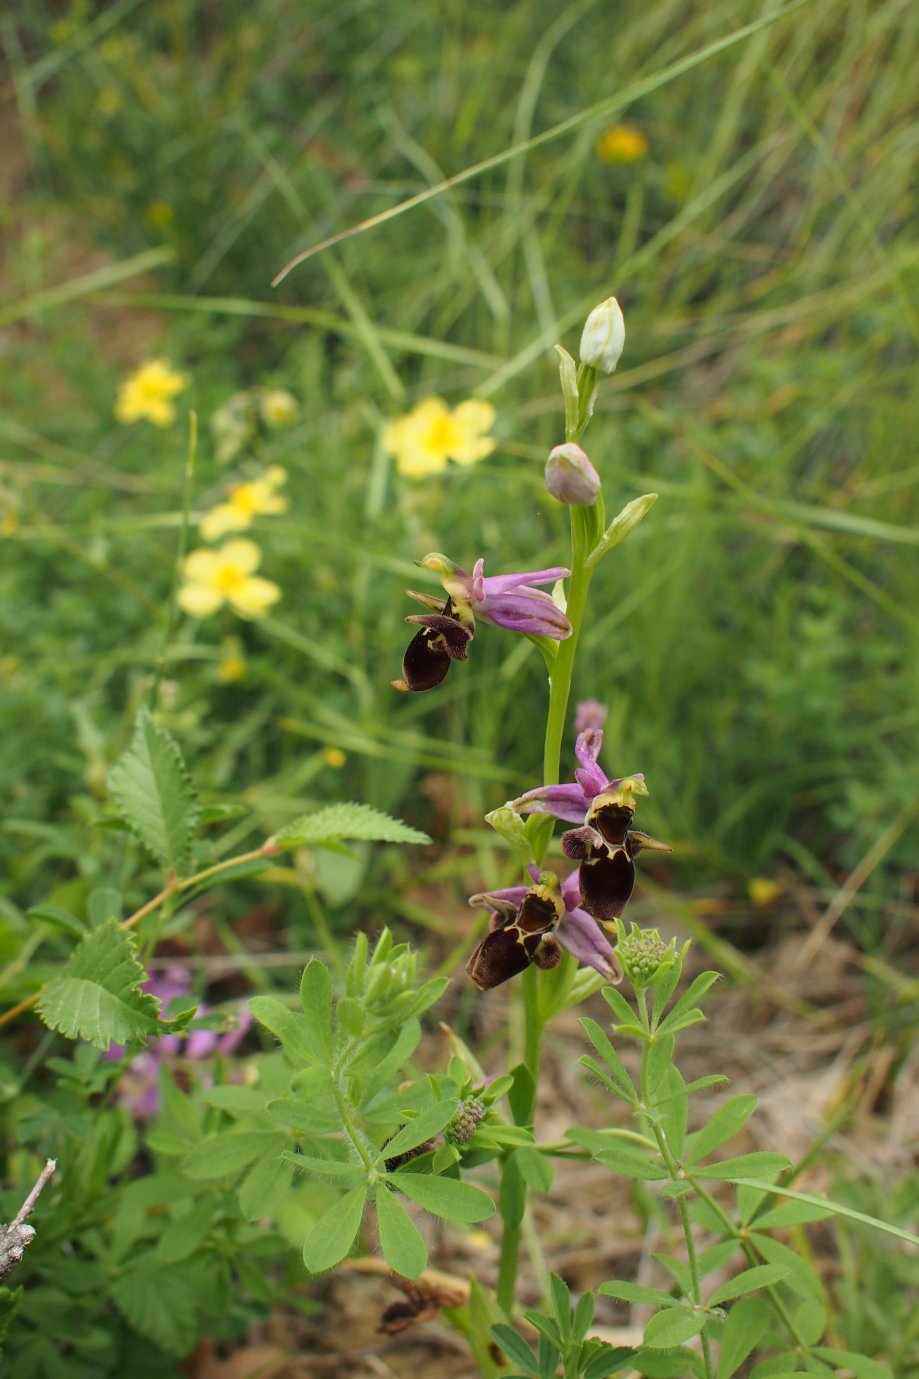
(605, 843)
(508, 601)
(576, 931)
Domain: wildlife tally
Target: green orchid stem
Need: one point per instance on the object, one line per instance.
(534, 1021)
(562, 671)
(677, 1175)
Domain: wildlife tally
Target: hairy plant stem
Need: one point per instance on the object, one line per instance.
(677, 1175)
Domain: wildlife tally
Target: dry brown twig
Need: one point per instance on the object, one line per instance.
(15, 1237)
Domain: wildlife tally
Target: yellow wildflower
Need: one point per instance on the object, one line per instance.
(147, 394)
(431, 434)
(213, 578)
(277, 406)
(254, 498)
(334, 757)
(763, 890)
(621, 144)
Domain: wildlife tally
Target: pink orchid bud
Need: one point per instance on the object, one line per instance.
(570, 477)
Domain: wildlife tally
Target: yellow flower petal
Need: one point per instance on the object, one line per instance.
(242, 555)
(220, 520)
(146, 395)
(200, 566)
(621, 144)
(254, 597)
(199, 600)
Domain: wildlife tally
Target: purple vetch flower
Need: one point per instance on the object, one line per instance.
(576, 930)
(605, 843)
(509, 601)
(138, 1088)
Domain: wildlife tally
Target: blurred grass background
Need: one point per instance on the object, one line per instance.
(756, 640)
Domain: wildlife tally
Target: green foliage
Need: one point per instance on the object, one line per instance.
(351, 821)
(658, 1152)
(98, 995)
(155, 795)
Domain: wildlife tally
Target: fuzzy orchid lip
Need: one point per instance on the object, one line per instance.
(576, 930)
(510, 601)
(604, 842)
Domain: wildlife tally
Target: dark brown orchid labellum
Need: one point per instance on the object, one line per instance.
(606, 847)
(443, 637)
(521, 935)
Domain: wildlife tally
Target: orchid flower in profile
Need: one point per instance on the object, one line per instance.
(605, 843)
(509, 601)
(516, 938)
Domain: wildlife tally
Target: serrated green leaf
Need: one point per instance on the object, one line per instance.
(161, 1304)
(760, 1276)
(316, 1000)
(745, 1326)
(220, 1156)
(347, 821)
(761, 1163)
(97, 995)
(264, 1189)
(455, 1201)
(672, 1328)
(155, 795)
(725, 1123)
(332, 1236)
(400, 1240)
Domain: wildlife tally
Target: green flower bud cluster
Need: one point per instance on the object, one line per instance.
(469, 1115)
(645, 957)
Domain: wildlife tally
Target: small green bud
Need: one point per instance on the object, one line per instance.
(603, 337)
(645, 957)
(470, 1113)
